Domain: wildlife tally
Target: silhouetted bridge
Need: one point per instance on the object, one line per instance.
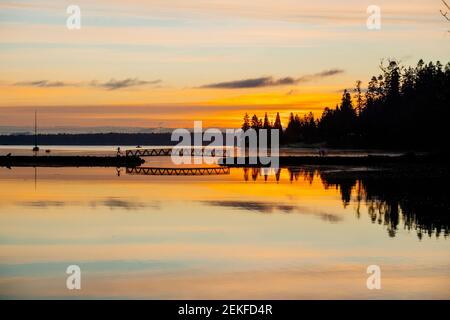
(165, 152)
(178, 171)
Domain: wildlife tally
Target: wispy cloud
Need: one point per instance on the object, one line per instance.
(320, 75)
(271, 81)
(112, 84)
(251, 83)
(41, 84)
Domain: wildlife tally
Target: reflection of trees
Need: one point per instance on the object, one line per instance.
(394, 199)
(304, 173)
(256, 172)
(418, 202)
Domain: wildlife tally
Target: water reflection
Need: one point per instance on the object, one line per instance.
(417, 203)
(296, 233)
(110, 203)
(408, 201)
(268, 207)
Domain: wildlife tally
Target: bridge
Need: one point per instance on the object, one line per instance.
(165, 152)
(148, 171)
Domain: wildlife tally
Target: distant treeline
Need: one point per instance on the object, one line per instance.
(401, 107)
(99, 139)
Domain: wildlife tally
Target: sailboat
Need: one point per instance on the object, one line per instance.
(36, 148)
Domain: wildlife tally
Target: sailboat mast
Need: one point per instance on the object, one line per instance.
(36, 148)
(35, 128)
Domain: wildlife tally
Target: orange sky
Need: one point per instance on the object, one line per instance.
(168, 63)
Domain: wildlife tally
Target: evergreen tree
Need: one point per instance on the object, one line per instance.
(277, 123)
(372, 92)
(392, 81)
(255, 122)
(266, 124)
(246, 124)
(346, 104)
(292, 133)
(358, 97)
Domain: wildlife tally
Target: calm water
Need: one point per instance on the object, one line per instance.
(300, 234)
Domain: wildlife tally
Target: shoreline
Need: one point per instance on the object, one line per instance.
(232, 162)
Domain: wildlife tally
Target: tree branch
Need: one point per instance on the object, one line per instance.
(448, 7)
(445, 15)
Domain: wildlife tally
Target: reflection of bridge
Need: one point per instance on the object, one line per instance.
(164, 152)
(178, 171)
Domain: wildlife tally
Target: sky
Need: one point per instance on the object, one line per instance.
(166, 63)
